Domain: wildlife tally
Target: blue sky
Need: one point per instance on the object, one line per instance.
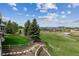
(47, 14)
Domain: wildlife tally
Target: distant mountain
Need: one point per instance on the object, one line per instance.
(50, 28)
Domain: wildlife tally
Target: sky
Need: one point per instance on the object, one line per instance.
(46, 14)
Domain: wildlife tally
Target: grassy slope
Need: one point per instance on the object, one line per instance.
(73, 36)
(15, 40)
(59, 44)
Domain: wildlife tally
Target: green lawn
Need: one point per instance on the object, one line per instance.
(60, 45)
(11, 39)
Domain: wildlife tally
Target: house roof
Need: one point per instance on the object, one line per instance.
(2, 24)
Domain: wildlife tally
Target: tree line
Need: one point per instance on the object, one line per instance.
(31, 29)
(11, 27)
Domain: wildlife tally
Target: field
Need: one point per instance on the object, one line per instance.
(15, 40)
(59, 44)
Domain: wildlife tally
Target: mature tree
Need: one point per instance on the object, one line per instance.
(34, 31)
(0, 20)
(9, 27)
(14, 27)
(26, 26)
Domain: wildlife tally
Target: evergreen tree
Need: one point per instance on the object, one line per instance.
(26, 26)
(9, 27)
(14, 27)
(34, 31)
(0, 20)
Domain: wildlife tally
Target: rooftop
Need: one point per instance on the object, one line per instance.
(2, 24)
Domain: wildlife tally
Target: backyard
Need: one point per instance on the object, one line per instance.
(12, 39)
(57, 43)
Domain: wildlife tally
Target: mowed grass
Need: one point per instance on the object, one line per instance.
(15, 40)
(75, 36)
(60, 45)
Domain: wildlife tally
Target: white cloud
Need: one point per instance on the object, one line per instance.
(63, 12)
(68, 12)
(76, 21)
(12, 4)
(50, 6)
(69, 6)
(25, 9)
(53, 15)
(43, 11)
(19, 14)
(45, 6)
(75, 5)
(39, 5)
(63, 16)
(27, 15)
(33, 15)
(5, 18)
(49, 17)
(14, 8)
